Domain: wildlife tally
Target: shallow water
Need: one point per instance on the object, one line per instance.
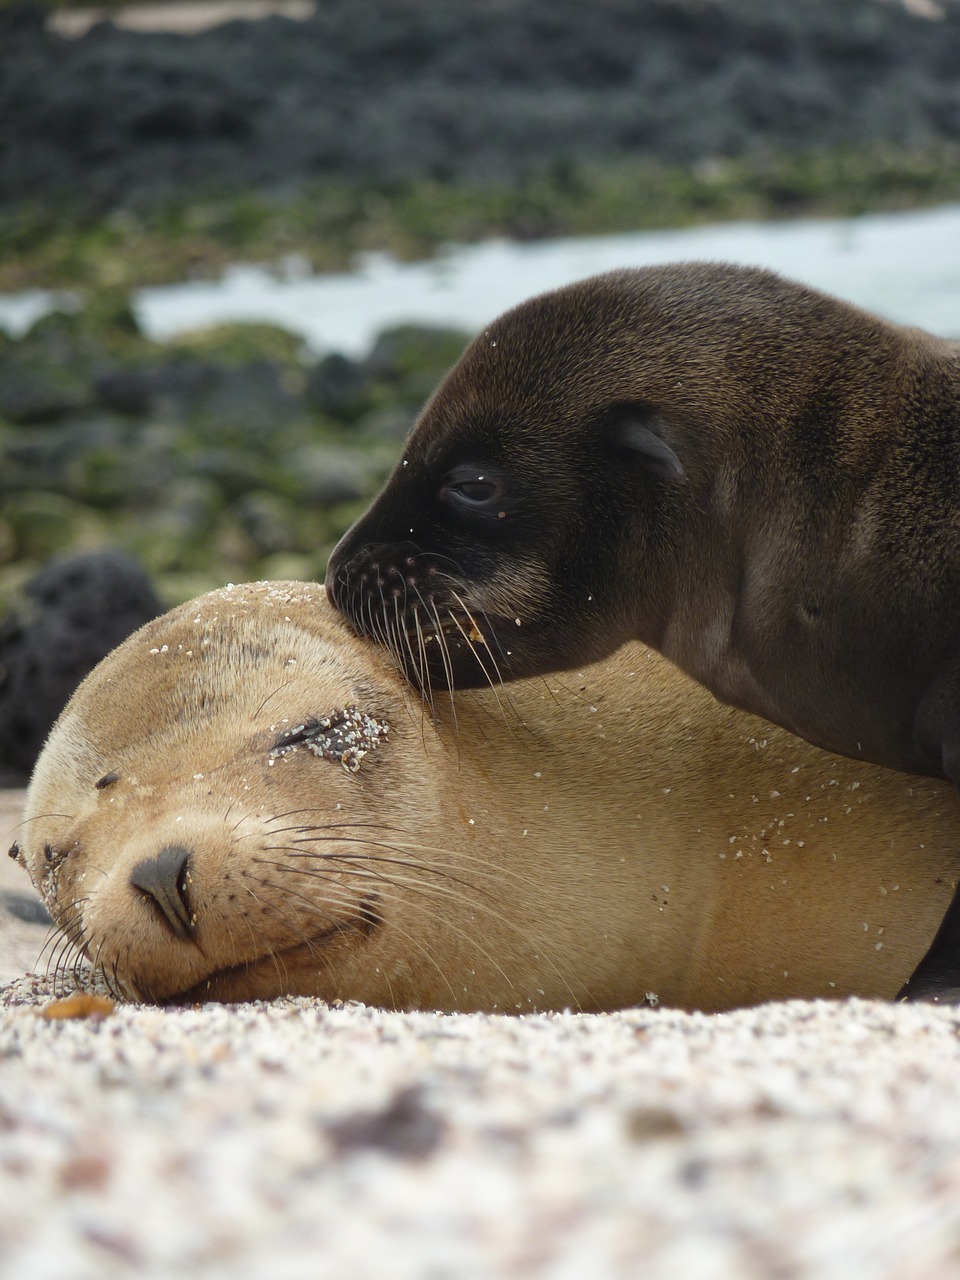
(905, 266)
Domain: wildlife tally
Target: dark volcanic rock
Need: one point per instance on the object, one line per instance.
(171, 389)
(339, 387)
(71, 614)
(250, 398)
(488, 89)
(33, 393)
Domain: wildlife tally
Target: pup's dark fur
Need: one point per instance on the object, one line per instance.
(761, 481)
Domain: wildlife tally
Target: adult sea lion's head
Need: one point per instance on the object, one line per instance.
(208, 814)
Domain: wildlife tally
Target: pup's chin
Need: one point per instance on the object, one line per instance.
(459, 657)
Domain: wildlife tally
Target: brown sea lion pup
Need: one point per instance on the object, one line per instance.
(756, 479)
(244, 800)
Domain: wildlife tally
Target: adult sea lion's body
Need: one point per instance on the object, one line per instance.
(756, 479)
(244, 800)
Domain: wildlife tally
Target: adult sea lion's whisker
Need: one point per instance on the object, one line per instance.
(317, 908)
(433, 877)
(111, 982)
(339, 825)
(61, 946)
(496, 873)
(279, 689)
(428, 891)
(56, 932)
(95, 967)
(295, 848)
(62, 949)
(446, 871)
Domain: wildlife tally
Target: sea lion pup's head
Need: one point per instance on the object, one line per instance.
(536, 518)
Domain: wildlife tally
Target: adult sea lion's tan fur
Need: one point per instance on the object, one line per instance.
(631, 836)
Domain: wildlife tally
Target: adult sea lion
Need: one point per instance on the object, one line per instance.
(756, 479)
(244, 799)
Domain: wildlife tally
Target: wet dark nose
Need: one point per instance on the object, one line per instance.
(166, 880)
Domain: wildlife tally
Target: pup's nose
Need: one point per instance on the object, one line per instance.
(166, 880)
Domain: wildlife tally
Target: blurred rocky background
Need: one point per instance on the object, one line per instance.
(137, 156)
(372, 94)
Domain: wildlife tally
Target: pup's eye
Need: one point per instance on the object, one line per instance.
(474, 488)
(479, 490)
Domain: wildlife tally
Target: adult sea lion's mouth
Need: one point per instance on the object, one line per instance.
(264, 977)
(275, 972)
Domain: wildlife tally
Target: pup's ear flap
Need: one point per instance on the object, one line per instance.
(639, 430)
